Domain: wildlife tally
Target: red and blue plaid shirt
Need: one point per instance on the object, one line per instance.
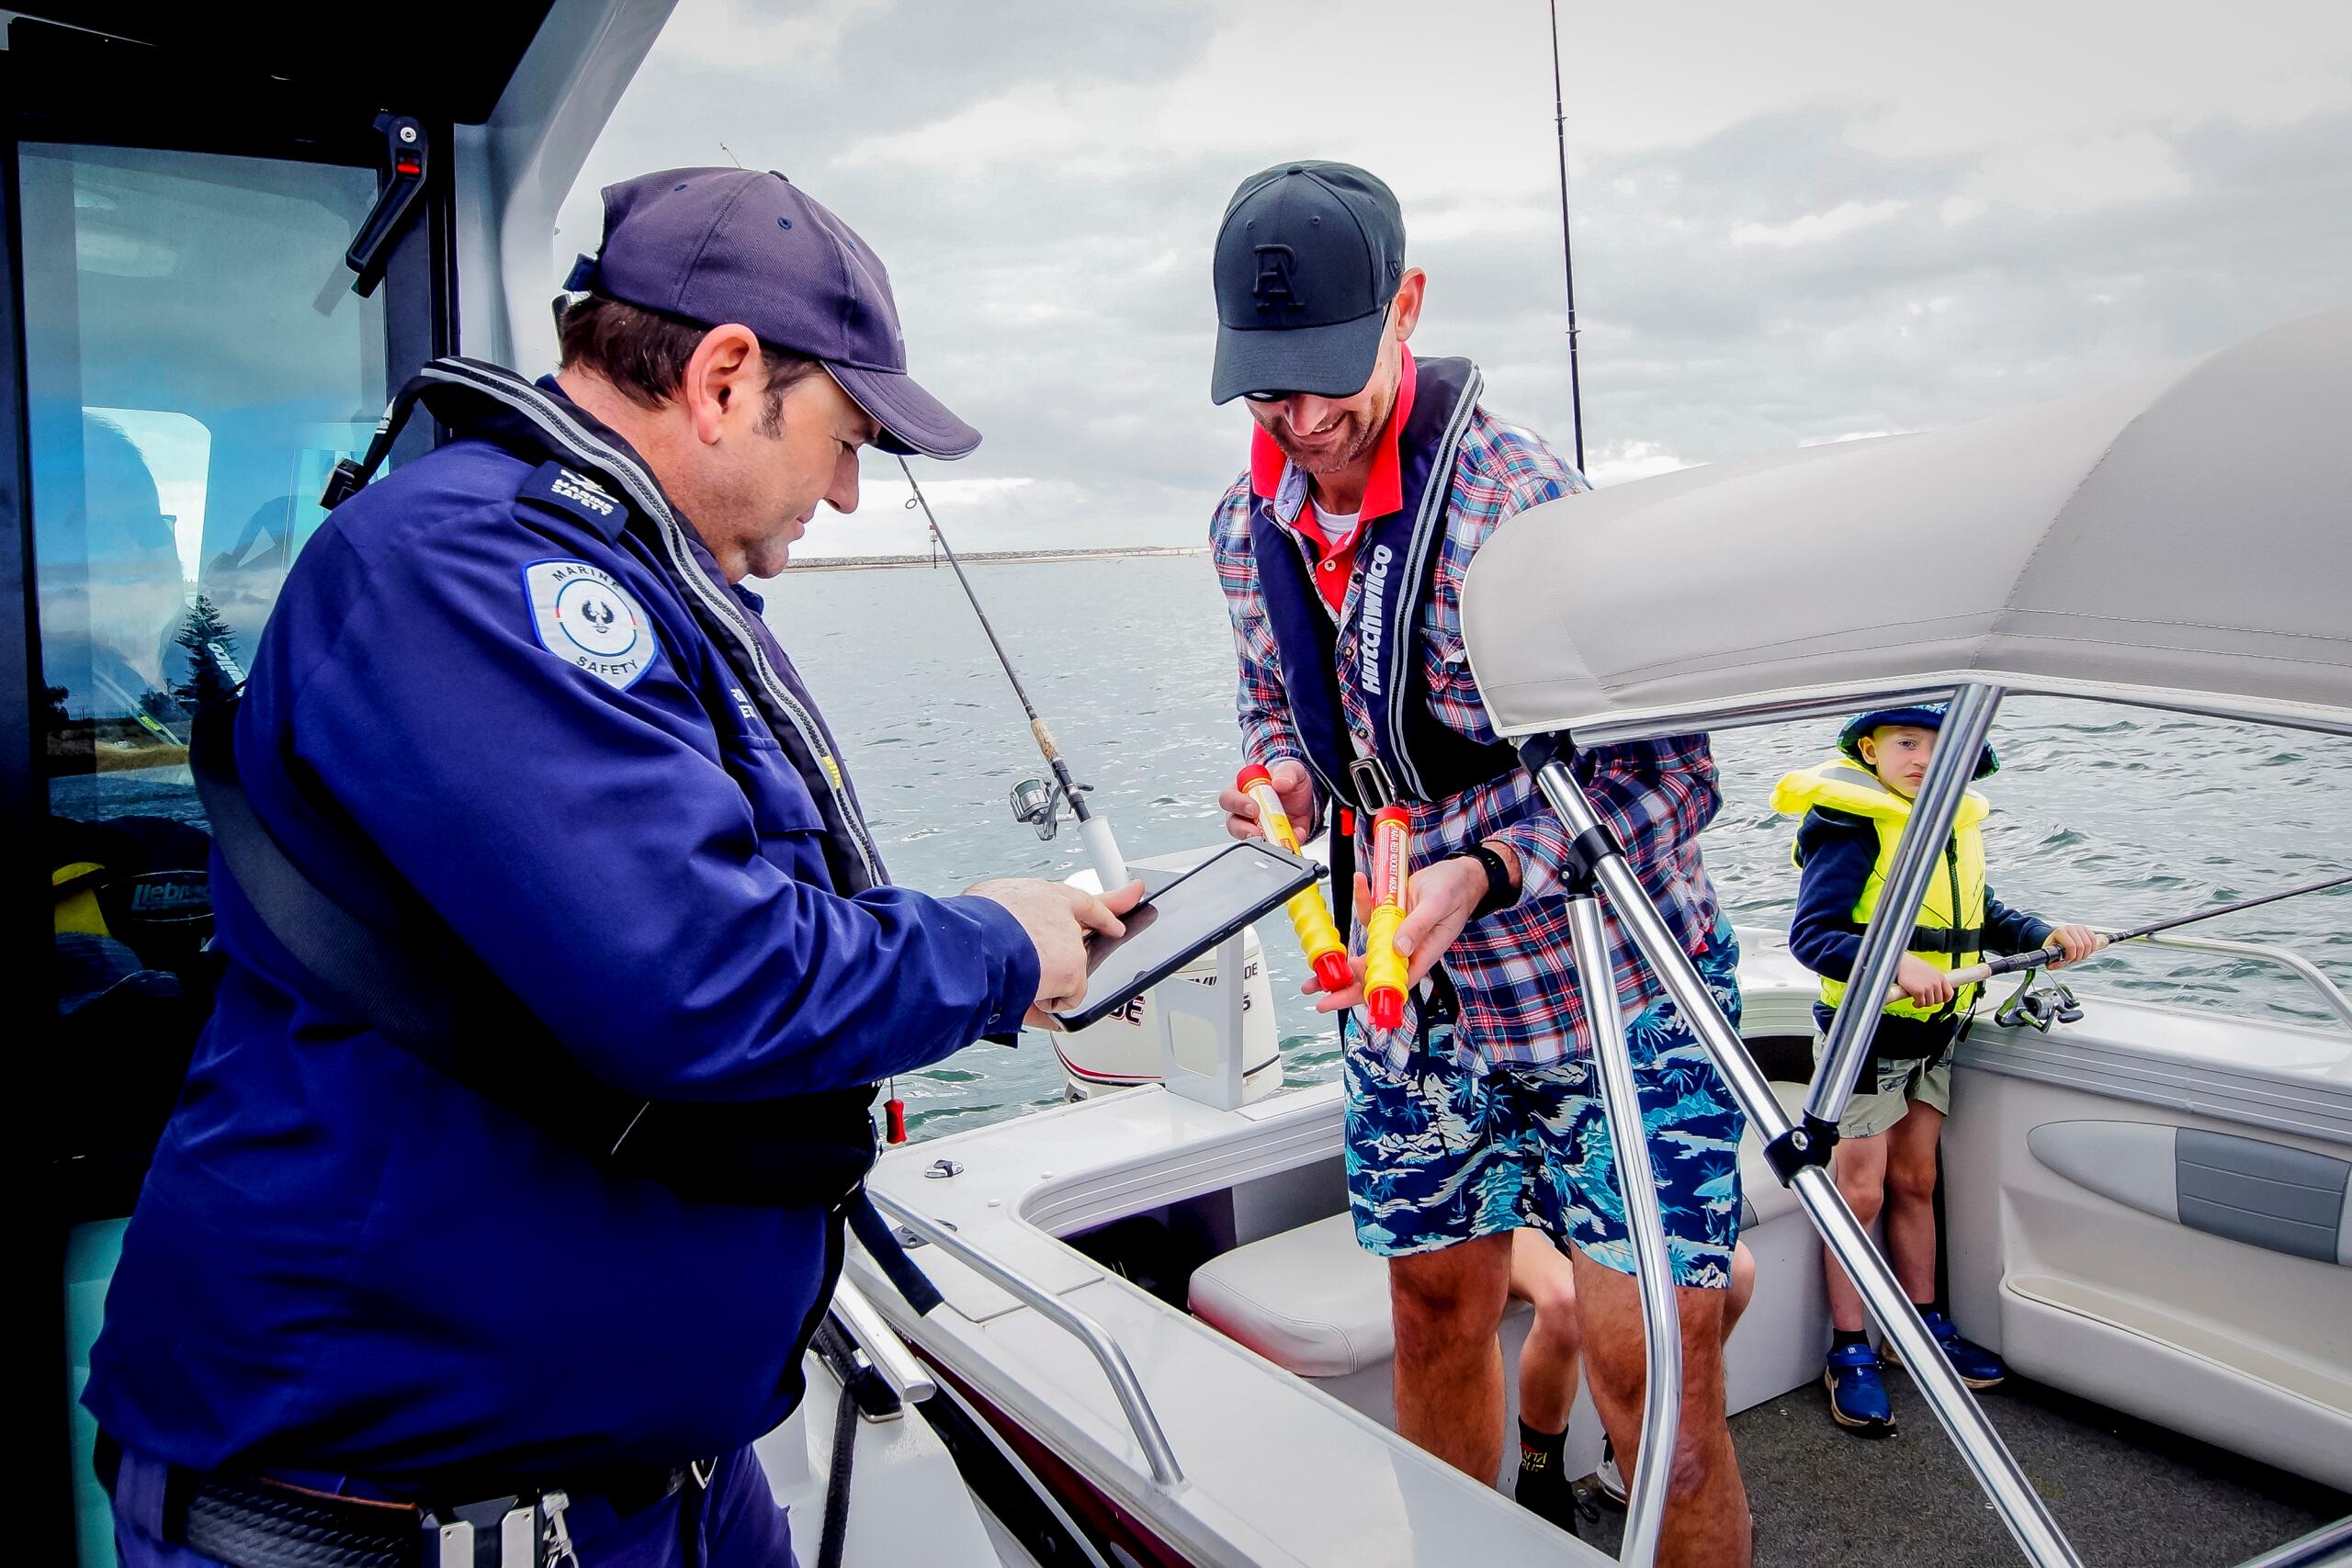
(1522, 1006)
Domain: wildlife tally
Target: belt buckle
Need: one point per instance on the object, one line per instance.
(454, 1540)
(1373, 787)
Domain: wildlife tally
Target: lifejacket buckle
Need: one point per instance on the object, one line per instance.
(1373, 786)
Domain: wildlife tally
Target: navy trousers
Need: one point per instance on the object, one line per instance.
(735, 1523)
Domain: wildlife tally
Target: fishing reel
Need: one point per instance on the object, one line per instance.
(2030, 1006)
(1039, 802)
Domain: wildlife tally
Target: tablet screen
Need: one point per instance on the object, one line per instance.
(1183, 919)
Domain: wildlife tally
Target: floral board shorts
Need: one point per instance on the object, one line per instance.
(1437, 1155)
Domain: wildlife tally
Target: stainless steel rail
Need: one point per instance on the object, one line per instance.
(1988, 1459)
(1654, 1268)
(2327, 1544)
(1165, 1471)
(2329, 991)
(907, 1376)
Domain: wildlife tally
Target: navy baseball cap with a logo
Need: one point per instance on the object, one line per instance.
(747, 246)
(1310, 256)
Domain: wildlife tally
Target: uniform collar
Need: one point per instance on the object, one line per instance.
(1274, 477)
(610, 525)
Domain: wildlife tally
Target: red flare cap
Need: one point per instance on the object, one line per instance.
(1333, 971)
(1387, 1008)
(1251, 774)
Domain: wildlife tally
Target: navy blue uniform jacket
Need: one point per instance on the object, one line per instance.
(345, 1262)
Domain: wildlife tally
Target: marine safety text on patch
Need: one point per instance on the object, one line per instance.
(587, 619)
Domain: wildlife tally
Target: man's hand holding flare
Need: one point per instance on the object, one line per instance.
(1318, 935)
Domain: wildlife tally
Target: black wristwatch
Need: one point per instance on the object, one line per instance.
(1500, 894)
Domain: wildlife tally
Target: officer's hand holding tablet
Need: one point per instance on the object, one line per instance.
(1080, 979)
(1046, 910)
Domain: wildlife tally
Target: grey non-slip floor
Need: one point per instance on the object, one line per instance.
(2126, 1494)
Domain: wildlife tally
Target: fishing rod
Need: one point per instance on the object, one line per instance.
(1034, 801)
(1978, 972)
(1568, 255)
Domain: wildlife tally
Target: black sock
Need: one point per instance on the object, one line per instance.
(1924, 1308)
(1841, 1340)
(1539, 1451)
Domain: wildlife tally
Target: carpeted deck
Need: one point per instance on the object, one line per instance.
(2126, 1494)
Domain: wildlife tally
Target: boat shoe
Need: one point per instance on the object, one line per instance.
(1856, 1398)
(1974, 1364)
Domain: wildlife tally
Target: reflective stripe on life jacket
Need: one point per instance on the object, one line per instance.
(1951, 926)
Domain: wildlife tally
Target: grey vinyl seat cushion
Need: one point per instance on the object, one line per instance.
(1310, 1300)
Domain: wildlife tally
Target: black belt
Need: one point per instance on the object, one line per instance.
(255, 1522)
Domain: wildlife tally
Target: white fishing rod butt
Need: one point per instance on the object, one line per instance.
(1102, 851)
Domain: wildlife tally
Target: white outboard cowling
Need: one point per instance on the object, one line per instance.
(1122, 1049)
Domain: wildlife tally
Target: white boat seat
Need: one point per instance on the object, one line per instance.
(1309, 1299)
(1312, 1300)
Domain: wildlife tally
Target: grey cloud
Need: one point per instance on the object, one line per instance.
(920, 63)
(1062, 303)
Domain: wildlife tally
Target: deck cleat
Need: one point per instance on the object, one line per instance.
(1974, 1365)
(1857, 1399)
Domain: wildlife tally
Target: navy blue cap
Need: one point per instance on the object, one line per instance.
(747, 246)
(1918, 716)
(1307, 259)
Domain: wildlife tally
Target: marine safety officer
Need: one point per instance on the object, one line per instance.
(1373, 480)
(507, 1185)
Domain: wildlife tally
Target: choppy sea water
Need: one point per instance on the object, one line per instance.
(2107, 815)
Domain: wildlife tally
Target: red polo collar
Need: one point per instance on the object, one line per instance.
(1383, 493)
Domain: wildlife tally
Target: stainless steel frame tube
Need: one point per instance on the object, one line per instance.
(2329, 1544)
(1980, 1446)
(1645, 1228)
(1924, 837)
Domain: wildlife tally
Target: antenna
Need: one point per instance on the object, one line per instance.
(1567, 256)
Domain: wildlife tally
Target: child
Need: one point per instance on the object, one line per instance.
(1854, 808)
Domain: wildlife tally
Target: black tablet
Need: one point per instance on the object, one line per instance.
(1183, 919)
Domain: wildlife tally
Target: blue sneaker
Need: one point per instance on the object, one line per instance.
(1976, 1366)
(1856, 1398)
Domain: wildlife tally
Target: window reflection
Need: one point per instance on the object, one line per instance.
(191, 378)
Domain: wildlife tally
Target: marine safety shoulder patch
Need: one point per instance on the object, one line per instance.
(568, 489)
(586, 618)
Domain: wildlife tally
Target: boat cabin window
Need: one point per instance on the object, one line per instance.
(194, 363)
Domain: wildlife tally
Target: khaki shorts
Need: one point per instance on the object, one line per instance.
(1899, 1084)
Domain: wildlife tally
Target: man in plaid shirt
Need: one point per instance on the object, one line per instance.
(1373, 482)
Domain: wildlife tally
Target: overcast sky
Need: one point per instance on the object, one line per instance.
(1794, 222)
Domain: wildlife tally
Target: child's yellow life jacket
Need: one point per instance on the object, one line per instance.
(1950, 929)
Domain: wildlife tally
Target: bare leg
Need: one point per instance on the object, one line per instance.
(1448, 1307)
(1706, 1514)
(1542, 1276)
(1743, 1287)
(1859, 1168)
(1911, 1200)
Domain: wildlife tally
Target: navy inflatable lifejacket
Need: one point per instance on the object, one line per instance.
(1398, 555)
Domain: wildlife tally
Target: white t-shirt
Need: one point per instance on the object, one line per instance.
(1339, 530)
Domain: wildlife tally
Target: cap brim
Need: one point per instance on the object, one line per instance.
(913, 421)
(1330, 362)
